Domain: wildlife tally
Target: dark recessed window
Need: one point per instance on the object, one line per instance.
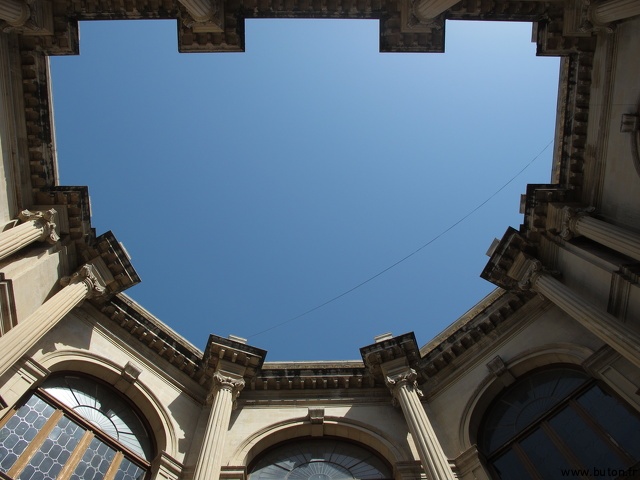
(560, 423)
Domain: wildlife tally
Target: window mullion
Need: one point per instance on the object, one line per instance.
(35, 444)
(601, 432)
(563, 448)
(528, 464)
(76, 456)
(115, 465)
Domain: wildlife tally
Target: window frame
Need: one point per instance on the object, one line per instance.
(543, 423)
(61, 410)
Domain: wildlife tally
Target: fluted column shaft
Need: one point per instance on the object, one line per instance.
(200, 10)
(21, 338)
(35, 226)
(432, 456)
(602, 324)
(613, 10)
(612, 236)
(14, 12)
(224, 392)
(427, 10)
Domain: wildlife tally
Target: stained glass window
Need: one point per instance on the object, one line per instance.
(77, 428)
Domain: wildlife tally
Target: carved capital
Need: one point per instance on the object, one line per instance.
(90, 277)
(44, 220)
(224, 382)
(406, 378)
(570, 218)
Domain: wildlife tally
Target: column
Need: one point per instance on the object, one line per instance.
(427, 10)
(35, 226)
(200, 10)
(223, 394)
(85, 283)
(605, 326)
(612, 10)
(14, 12)
(580, 223)
(404, 390)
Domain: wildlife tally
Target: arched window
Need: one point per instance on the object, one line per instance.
(74, 428)
(559, 423)
(319, 459)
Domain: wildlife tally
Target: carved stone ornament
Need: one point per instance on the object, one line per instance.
(630, 123)
(86, 274)
(570, 219)
(412, 21)
(44, 220)
(223, 382)
(406, 378)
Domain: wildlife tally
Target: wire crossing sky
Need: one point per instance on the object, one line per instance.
(407, 257)
(247, 186)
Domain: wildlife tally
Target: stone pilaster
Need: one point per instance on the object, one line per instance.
(35, 226)
(512, 266)
(207, 15)
(574, 222)
(85, 283)
(427, 10)
(224, 392)
(607, 11)
(229, 363)
(602, 324)
(390, 359)
(403, 386)
(14, 12)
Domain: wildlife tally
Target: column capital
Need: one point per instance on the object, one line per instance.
(90, 277)
(45, 220)
(563, 219)
(404, 378)
(222, 381)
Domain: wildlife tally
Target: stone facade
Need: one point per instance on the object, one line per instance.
(567, 299)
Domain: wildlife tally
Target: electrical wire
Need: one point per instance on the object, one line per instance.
(406, 257)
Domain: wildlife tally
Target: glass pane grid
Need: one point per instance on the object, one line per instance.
(20, 430)
(95, 462)
(54, 452)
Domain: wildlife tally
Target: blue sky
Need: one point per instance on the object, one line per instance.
(252, 187)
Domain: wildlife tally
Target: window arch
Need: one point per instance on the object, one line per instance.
(74, 427)
(319, 459)
(560, 423)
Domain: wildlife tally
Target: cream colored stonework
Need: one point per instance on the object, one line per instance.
(517, 329)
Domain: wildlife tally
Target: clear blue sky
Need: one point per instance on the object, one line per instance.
(252, 187)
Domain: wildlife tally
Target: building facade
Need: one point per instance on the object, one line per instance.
(540, 379)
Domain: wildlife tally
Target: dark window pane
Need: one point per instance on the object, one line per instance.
(546, 458)
(592, 451)
(509, 466)
(615, 418)
(525, 402)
